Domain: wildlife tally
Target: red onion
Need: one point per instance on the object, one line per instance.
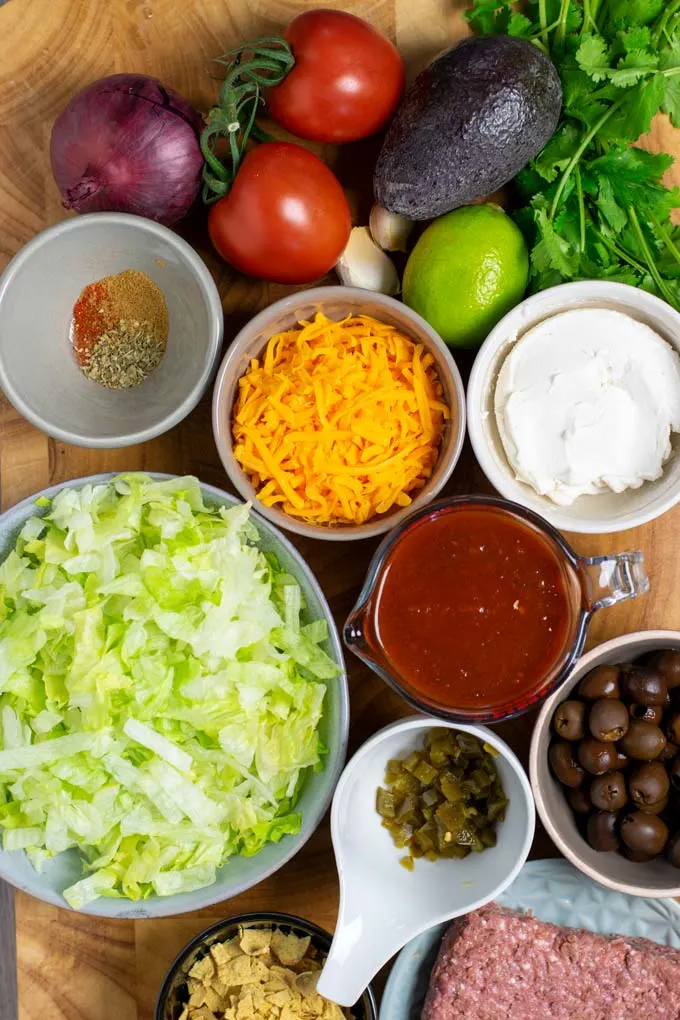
(128, 144)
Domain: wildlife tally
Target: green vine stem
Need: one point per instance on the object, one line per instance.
(250, 68)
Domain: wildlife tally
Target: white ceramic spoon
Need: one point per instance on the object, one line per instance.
(383, 906)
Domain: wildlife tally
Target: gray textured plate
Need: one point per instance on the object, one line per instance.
(239, 873)
(554, 891)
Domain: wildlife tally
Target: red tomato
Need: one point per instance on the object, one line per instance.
(286, 218)
(346, 82)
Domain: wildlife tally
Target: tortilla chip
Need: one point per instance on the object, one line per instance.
(203, 970)
(203, 1013)
(254, 941)
(306, 985)
(223, 952)
(185, 1014)
(290, 949)
(283, 975)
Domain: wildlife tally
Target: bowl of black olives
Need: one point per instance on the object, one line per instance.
(605, 764)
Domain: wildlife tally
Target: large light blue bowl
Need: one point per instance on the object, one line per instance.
(239, 873)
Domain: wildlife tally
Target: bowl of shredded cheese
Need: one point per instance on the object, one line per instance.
(337, 412)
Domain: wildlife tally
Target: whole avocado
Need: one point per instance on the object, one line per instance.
(468, 124)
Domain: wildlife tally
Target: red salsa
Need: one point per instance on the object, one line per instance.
(474, 607)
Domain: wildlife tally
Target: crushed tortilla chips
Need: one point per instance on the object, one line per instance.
(339, 421)
(261, 974)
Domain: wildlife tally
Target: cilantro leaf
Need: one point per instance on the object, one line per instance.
(636, 39)
(592, 56)
(609, 207)
(552, 251)
(634, 116)
(489, 17)
(557, 153)
(632, 68)
(670, 61)
(520, 26)
(632, 13)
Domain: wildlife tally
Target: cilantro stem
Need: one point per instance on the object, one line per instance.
(579, 152)
(668, 241)
(562, 23)
(663, 21)
(581, 210)
(543, 19)
(649, 258)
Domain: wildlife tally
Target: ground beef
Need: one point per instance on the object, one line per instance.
(498, 964)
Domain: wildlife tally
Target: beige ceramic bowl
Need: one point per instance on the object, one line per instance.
(336, 303)
(607, 511)
(657, 878)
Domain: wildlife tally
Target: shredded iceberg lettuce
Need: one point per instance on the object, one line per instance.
(160, 698)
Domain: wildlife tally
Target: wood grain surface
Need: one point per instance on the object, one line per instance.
(76, 968)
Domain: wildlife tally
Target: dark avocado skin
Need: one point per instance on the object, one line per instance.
(468, 124)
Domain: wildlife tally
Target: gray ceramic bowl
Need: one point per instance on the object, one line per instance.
(657, 878)
(239, 873)
(38, 289)
(336, 303)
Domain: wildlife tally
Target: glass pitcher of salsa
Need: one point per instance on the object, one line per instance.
(475, 608)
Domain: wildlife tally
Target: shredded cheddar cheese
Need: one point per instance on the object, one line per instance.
(339, 421)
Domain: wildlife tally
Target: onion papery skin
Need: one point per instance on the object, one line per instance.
(127, 143)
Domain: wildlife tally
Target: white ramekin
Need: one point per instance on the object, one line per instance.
(606, 512)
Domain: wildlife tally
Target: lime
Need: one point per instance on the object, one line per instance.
(466, 271)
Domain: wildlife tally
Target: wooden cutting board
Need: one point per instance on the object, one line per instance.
(72, 967)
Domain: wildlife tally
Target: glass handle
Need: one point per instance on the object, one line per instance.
(612, 579)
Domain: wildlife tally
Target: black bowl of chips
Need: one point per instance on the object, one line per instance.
(258, 966)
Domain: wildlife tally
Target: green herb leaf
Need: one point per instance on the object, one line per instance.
(592, 56)
(520, 26)
(636, 39)
(670, 61)
(615, 216)
(552, 251)
(557, 152)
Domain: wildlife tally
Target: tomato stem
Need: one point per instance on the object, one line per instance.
(250, 68)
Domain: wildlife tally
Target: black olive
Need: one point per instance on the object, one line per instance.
(601, 682)
(644, 741)
(608, 793)
(650, 713)
(596, 756)
(673, 850)
(564, 765)
(657, 808)
(643, 832)
(569, 720)
(622, 761)
(644, 685)
(601, 831)
(579, 802)
(668, 664)
(670, 750)
(638, 856)
(608, 719)
(648, 784)
(674, 772)
(672, 728)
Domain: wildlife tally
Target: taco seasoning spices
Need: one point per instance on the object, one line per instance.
(120, 329)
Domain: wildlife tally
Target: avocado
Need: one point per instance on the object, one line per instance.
(468, 124)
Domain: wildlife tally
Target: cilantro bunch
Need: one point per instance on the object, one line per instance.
(591, 206)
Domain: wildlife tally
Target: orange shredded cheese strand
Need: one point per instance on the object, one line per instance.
(339, 421)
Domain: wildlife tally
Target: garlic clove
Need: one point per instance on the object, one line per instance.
(363, 264)
(389, 230)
